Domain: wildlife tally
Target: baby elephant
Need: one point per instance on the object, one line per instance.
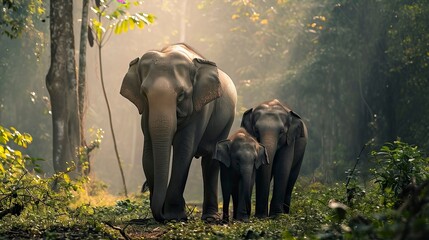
(240, 155)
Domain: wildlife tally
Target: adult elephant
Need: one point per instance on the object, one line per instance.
(185, 102)
(284, 135)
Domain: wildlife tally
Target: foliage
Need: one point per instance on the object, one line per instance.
(120, 19)
(407, 57)
(84, 151)
(23, 192)
(28, 206)
(400, 211)
(399, 166)
(17, 16)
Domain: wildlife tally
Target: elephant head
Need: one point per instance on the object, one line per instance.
(271, 123)
(168, 87)
(243, 154)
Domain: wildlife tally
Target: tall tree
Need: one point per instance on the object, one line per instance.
(61, 82)
(82, 87)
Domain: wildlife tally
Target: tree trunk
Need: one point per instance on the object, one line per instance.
(61, 83)
(82, 80)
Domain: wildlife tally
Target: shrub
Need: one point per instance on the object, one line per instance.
(398, 166)
(27, 200)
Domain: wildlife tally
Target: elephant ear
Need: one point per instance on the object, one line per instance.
(294, 127)
(130, 88)
(262, 158)
(221, 152)
(246, 121)
(207, 85)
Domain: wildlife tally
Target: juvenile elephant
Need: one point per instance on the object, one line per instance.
(240, 155)
(185, 102)
(284, 135)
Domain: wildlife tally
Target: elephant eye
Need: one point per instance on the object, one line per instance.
(181, 96)
(283, 132)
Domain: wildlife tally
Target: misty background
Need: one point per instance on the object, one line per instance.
(355, 71)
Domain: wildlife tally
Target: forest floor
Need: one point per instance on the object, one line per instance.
(318, 212)
(105, 216)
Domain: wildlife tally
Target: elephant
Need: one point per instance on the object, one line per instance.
(187, 103)
(284, 134)
(240, 155)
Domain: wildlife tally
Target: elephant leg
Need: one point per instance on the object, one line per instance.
(226, 183)
(235, 197)
(210, 169)
(300, 145)
(174, 208)
(262, 182)
(281, 172)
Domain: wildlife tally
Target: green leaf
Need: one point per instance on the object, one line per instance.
(151, 18)
(18, 154)
(124, 26)
(131, 23)
(140, 24)
(99, 32)
(2, 153)
(118, 29)
(115, 14)
(66, 178)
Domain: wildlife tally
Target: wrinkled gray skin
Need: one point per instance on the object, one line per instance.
(284, 135)
(240, 155)
(188, 103)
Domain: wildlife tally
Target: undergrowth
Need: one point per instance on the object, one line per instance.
(394, 205)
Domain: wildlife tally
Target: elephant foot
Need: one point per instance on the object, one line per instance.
(225, 218)
(286, 210)
(276, 210)
(243, 219)
(178, 216)
(261, 216)
(211, 218)
(275, 214)
(176, 219)
(175, 212)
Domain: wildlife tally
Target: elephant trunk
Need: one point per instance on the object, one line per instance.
(263, 175)
(162, 126)
(245, 194)
(269, 141)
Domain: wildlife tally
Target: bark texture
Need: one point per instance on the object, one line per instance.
(61, 83)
